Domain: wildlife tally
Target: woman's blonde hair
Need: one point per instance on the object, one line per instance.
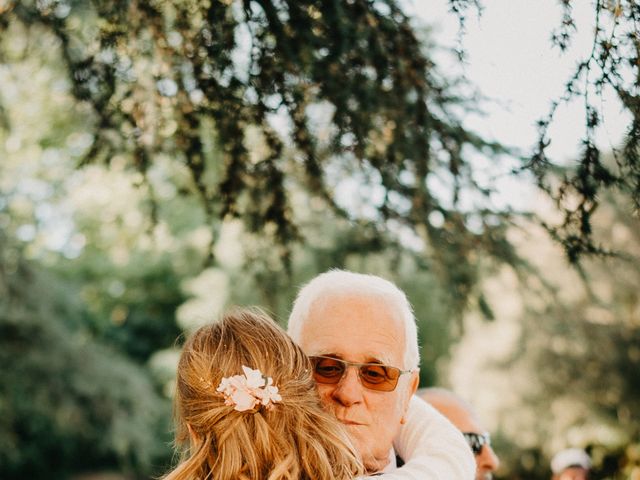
(296, 439)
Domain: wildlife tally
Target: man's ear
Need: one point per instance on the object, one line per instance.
(414, 380)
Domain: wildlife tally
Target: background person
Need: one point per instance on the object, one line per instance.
(571, 464)
(360, 333)
(462, 415)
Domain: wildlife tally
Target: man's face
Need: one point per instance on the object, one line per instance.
(574, 473)
(361, 329)
(465, 420)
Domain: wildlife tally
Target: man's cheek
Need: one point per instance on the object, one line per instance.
(325, 396)
(357, 433)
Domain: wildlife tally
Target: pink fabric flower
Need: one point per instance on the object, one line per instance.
(269, 394)
(248, 391)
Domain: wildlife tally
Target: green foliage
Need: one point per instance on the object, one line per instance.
(612, 65)
(132, 307)
(325, 135)
(594, 354)
(330, 90)
(576, 363)
(66, 402)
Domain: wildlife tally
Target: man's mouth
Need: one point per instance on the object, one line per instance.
(349, 422)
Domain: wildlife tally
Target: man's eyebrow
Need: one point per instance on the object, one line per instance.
(369, 359)
(374, 360)
(377, 360)
(330, 354)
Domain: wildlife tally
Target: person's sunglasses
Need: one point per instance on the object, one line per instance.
(477, 440)
(374, 376)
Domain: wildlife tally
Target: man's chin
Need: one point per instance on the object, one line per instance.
(358, 434)
(372, 463)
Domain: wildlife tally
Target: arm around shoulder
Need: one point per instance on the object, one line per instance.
(432, 448)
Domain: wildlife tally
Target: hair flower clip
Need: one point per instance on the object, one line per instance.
(249, 391)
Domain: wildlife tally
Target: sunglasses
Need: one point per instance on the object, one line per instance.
(374, 376)
(477, 440)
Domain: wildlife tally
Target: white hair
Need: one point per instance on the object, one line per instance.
(335, 283)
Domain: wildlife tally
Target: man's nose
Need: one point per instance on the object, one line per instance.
(488, 460)
(349, 389)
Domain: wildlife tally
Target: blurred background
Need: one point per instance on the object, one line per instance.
(160, 161)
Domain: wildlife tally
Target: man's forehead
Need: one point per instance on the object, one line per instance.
(346, 305)
(364, 328)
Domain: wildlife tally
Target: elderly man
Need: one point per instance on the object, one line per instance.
(360, 333)
(464, 418)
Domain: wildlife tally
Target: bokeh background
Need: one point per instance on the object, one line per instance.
(160, 161)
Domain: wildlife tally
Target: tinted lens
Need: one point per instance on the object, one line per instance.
(330, 371)
(476, 441)
(379, 377)
(327, 370)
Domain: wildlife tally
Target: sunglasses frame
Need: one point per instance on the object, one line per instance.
(477, 441)
(359, 365)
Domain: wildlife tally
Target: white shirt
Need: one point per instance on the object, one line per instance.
(392, 465)
(432, 448)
